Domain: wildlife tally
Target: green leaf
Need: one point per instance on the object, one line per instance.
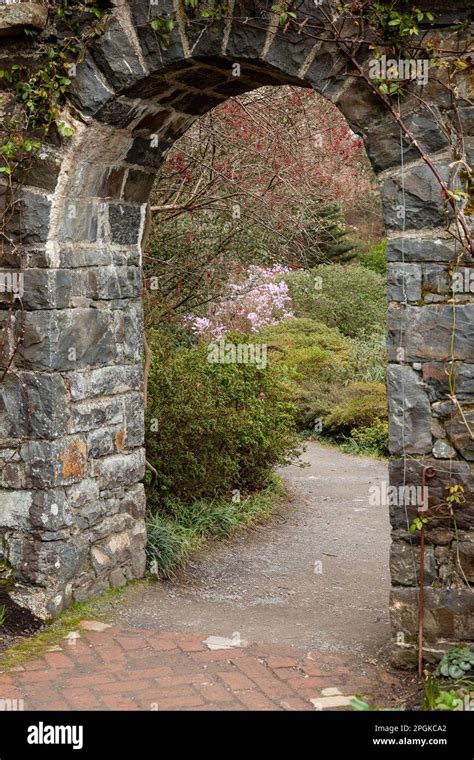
(359, 704)
(64, 130)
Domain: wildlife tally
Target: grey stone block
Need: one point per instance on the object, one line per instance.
(435, 279)
(442, 450)
(92, 415)
(423, 202)
(55, 463)
(144, 152)
(448, 614)
(404, 281)
(134, 420)
(49, 564)
(412, 249)
(79, 221)
(384, 139)
(105, 440)
(247, 40)
(30, 220)
(16, 17)
(120, 469)
(410, 473)
(425, 332)
(107, 283)
(459, 430)
(50, 511)
(405, 565)
(125, 223)
(106, 381)
(15, 509)
(67, 339)
(88, 92)
(32, 404)
(409, 408)
(117, 58)
(77, 255)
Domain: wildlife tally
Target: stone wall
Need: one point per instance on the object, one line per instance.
(71, 405)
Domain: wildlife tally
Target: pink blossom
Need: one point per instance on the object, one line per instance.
(260, 299)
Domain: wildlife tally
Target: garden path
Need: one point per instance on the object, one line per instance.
(292, 615)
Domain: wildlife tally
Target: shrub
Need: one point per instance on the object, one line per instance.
(375, 258)
(367, 357)
(260, 298)
(349, 297)
(323, 367)
(364, 403)
(332, 240)
(307, 348)
(315, 359)
(315, 400)
(368, 440)
(212, 427)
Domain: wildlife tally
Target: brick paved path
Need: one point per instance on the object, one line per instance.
(136, 669)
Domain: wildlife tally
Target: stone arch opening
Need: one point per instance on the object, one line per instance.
(72, 500)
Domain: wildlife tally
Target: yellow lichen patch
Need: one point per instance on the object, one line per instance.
(119, 439)
(74, 460)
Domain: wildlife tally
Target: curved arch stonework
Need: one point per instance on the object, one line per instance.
(71, 407)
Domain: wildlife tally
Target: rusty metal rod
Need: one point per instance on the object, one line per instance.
(428, 472)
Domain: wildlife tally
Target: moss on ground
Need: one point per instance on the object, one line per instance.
(55, 632)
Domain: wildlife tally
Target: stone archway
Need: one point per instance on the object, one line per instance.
(72, 501)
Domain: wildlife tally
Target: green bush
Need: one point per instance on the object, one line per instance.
(375, 258)
(213, 428)
(349, 297)
(367, 357)
(307, 348)
(368, 440)
(363, 405)
(315, 359)
(323, 366)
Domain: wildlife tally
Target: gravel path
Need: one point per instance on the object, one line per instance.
(317, 576)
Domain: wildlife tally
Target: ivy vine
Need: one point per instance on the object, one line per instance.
(41, 87)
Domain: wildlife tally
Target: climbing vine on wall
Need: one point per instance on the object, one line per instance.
(39, 89)
(206, 10)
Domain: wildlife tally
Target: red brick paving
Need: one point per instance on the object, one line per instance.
(135, 669)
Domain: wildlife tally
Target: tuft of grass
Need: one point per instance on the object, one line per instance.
(3, 613)
(185, 528)
(370, 441)
(169, 545)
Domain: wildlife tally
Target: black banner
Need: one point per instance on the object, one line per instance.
(124, 734)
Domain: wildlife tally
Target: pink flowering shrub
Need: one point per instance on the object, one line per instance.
(259, 300)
